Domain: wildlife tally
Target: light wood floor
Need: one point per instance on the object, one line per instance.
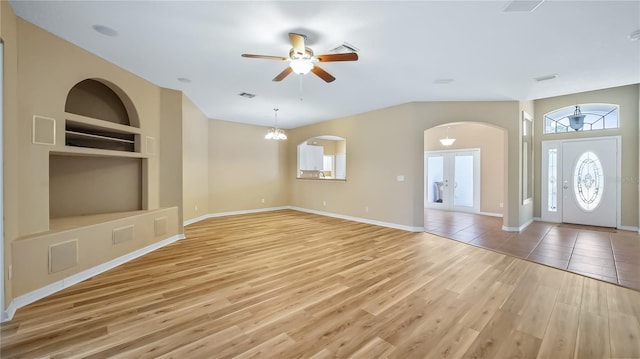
(288, 284)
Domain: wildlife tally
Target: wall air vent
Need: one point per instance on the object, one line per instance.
(246, 95)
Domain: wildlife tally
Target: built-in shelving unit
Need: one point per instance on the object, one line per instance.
(90, 133)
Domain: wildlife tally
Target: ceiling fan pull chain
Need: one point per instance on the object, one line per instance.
(301, 97)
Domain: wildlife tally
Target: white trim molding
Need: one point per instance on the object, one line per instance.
(321, 213)
(361, 220)
(233, 213)
(52, 288)
(518, 229)
(491, 214)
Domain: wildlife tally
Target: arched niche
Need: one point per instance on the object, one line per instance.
(322, 157)
(101, 99)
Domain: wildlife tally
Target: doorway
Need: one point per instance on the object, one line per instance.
(452, 180)
(581, 181)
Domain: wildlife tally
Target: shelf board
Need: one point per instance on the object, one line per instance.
(106, 138)
(86, 151)
(93, 123)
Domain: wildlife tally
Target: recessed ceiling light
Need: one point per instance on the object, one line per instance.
(105, 30)
(634, 36)
(246, 95)
(184, 80)
(546, 77)
(443, 81)
(523, 5)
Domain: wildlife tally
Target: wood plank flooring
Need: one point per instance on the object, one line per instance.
(288, 284)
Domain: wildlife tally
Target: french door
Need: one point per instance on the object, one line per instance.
(580, 181)
(452, 180)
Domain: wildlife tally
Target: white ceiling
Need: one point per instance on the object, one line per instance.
(404, 47)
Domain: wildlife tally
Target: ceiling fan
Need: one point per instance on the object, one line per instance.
(302, 60)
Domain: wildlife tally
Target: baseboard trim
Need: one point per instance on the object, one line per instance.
(361, 220)
(52, 288)
(491, 214)
(629, 228)
(301, 209)
(233, 213)
(517, 229)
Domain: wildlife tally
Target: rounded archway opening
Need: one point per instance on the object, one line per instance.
(465, 166)
(101, 100)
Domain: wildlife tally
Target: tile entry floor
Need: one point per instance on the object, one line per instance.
(602, 253)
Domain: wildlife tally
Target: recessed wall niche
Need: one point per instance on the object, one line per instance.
(100, 169)
(100, 116)
(92, 98)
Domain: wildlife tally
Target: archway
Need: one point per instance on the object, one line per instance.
(485, 175)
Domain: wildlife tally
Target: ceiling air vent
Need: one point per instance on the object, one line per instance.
(522, 5)
(246, 95)
(345, 47)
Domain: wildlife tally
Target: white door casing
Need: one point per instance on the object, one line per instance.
(592, 199)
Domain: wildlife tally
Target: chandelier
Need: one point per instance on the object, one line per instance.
(275, 133)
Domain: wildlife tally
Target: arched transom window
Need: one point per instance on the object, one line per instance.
(597, 116)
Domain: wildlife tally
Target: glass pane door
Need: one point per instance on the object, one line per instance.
(435, 179)
(452, 180)
(463, 185)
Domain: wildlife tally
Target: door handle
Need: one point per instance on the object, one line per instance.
(565, 185)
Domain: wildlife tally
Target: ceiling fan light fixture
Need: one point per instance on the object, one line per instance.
(301, 66)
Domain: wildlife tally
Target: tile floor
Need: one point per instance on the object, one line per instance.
(606, 254)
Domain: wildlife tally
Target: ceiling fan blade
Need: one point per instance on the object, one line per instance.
(267, 57)
(322, 74)
(349, 56)
(283, 74)
(297, 42)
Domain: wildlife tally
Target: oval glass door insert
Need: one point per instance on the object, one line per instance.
(588, 181)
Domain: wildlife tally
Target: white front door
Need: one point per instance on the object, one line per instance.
(452, 180)
(589, 182)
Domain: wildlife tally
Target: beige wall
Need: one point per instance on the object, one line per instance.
(195, 160)
(49, 67)
(11, 180)
(627, 98)
(170, 149)
(387, 143)
(244, 168)
(490, 140)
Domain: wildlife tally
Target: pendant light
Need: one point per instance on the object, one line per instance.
(576, 121)
(447, 141)
(275, 133)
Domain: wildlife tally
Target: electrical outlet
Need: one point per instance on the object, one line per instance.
(501, 205)
(366, 209)
(262, 200)
(324, 203)
(196, 208)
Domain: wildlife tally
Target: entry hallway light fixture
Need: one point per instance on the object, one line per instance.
(576, 121)
(447, 141)
(275, 133)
